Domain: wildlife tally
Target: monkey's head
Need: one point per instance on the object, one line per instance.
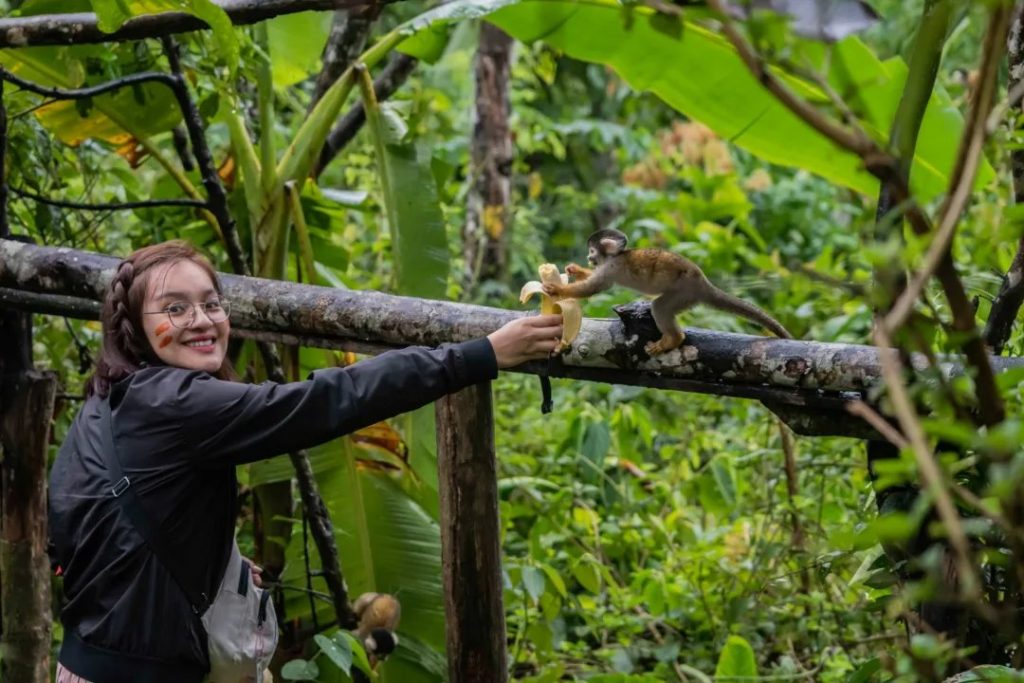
(378, 615)
(381, 643)
(604, 244)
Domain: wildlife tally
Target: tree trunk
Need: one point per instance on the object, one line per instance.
(26, 408)
(471, 537)
(488, 215)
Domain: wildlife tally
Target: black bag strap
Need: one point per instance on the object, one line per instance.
(124, 493)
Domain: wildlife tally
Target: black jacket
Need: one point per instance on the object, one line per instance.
(180, 434)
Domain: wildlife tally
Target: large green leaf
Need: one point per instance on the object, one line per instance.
(34, 7)
(722, 93)
(153, 108)
(419, 241)
(737, 659)
(697, 72)
(115, 117)
(296, 43)
(387, 543)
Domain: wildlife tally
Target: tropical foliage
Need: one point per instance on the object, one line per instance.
(647, 535)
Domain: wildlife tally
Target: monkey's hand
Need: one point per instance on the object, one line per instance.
(577, 272)
(554, 289)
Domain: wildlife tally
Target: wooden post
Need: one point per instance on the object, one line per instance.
(471, 537)
(26, 408)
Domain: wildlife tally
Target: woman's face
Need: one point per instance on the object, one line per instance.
(180, 301)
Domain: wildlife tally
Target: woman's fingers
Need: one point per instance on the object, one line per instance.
(526, 338)
(548, 320)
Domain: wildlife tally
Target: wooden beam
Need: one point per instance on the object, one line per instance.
(26, 408)
(471, 537)
(82, 27)
(810, 376)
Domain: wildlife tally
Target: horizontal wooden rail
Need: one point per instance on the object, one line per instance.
(815, 380)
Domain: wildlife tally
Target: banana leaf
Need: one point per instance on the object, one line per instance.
(387, 543)
(697, 72)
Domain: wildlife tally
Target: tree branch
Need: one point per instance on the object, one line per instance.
(391, 79)
(217, 199)
(320, 521)
(82, 27)
(880, 424)
(1011, 292)
(853, 139)
(344, 44)
(929, 468)
(110, 206)
(964, 169)
(886, 168)
(90, 91)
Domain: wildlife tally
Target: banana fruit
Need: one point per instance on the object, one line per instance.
(572, 314)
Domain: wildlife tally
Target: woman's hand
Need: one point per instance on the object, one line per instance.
(523, 339)
(257, 574)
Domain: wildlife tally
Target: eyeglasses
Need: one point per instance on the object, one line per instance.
(183, 313)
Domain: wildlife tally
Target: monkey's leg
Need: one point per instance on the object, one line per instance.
(664, 310)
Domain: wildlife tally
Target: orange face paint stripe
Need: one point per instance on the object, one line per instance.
(166, 341)
(162, 328)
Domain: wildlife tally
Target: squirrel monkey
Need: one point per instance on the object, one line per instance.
(378, 615)
(677, 281)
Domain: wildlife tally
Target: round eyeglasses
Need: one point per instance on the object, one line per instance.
(183, 313)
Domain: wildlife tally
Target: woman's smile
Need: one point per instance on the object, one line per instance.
(181, 306)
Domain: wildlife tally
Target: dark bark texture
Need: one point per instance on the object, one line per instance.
(1011, 293)
(82, 27)
(471, 537)
(345, 42)
(488, 203)
(384, 86)
(26, 408)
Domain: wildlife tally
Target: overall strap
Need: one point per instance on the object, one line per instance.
(124, 493)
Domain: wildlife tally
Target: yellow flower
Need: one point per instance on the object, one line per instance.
(572, 314)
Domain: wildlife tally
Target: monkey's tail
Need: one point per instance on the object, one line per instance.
(733, 304)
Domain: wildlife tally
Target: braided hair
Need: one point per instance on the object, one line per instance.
(125, 346)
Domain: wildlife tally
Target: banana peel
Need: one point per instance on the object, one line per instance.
(572, 313)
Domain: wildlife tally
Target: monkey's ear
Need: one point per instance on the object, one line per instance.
(610, 245)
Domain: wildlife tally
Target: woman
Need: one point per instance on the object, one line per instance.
(180, 427)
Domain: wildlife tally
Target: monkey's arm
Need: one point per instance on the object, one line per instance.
(583, 289)
(578, 273)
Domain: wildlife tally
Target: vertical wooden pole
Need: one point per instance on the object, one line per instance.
(5, 228)
(26, 408)
(471, 537)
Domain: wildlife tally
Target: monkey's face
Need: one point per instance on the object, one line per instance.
(605, 244)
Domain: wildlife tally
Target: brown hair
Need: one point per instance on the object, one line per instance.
(125, 346)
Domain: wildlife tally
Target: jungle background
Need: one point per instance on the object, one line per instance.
(647, 535)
